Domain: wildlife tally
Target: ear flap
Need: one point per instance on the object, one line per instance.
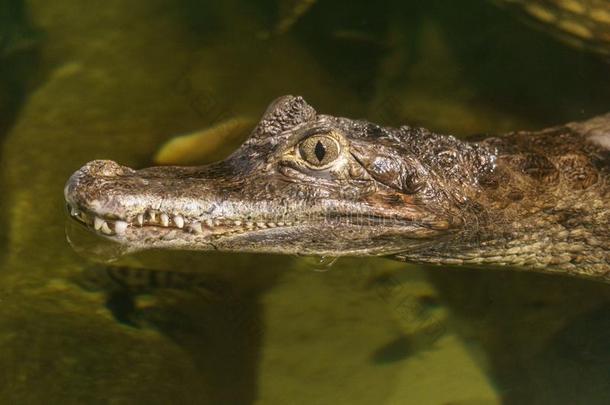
(390, 169)
(283, 114)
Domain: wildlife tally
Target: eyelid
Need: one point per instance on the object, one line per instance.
(319, 131)
(325, 133)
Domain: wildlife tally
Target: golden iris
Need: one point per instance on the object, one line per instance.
(319, 150)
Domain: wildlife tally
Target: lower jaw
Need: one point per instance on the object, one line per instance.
(295, 241)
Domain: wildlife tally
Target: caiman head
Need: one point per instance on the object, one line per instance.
(303, 183)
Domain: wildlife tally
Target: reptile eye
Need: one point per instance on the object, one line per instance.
(319, 150)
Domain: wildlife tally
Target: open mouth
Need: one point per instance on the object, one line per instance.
(161, 221)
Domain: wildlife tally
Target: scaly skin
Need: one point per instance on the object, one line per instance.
(305, 183)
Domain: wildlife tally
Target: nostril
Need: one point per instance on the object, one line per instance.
(85, 178)
(107, 168)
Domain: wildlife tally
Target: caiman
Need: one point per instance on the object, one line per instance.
(312, 184)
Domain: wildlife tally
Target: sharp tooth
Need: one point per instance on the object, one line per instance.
(106, 229)
(261, 225)
(280, 224)
(196, 227)
(271, 225)
(179, 221)
(249, 225)
(98, 223)
(237, 223)
(288, 223)
(140, 219)
(120, 227)
(209, 223)
(164, 219)
(152, 215)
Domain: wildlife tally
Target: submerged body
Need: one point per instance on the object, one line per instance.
(306, 183)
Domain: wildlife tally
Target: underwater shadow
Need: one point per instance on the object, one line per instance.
(223, 338)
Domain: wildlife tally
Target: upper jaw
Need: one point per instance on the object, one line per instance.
(165, 224)
(151, 206)
(164, 221)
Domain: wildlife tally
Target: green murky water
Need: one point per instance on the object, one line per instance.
(115, 79)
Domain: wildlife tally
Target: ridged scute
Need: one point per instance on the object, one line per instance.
(283, 114)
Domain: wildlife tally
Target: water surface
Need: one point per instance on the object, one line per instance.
(116, 79)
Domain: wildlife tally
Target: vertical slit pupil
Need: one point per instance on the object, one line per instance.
(320, 151)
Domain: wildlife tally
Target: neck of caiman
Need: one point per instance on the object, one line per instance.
(545, 205)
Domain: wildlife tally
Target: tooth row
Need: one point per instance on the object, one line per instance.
(106, 227)
(198, 227)
(165, 220)
(153, 218)
(263, 225)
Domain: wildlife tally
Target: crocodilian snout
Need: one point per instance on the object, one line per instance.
(99, 188)
(87, 183)
(114, 199)
(176, 207)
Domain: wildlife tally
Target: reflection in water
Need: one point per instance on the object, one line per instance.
(574, 367)
(319, 263)
(92, 246)
(396, 350)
